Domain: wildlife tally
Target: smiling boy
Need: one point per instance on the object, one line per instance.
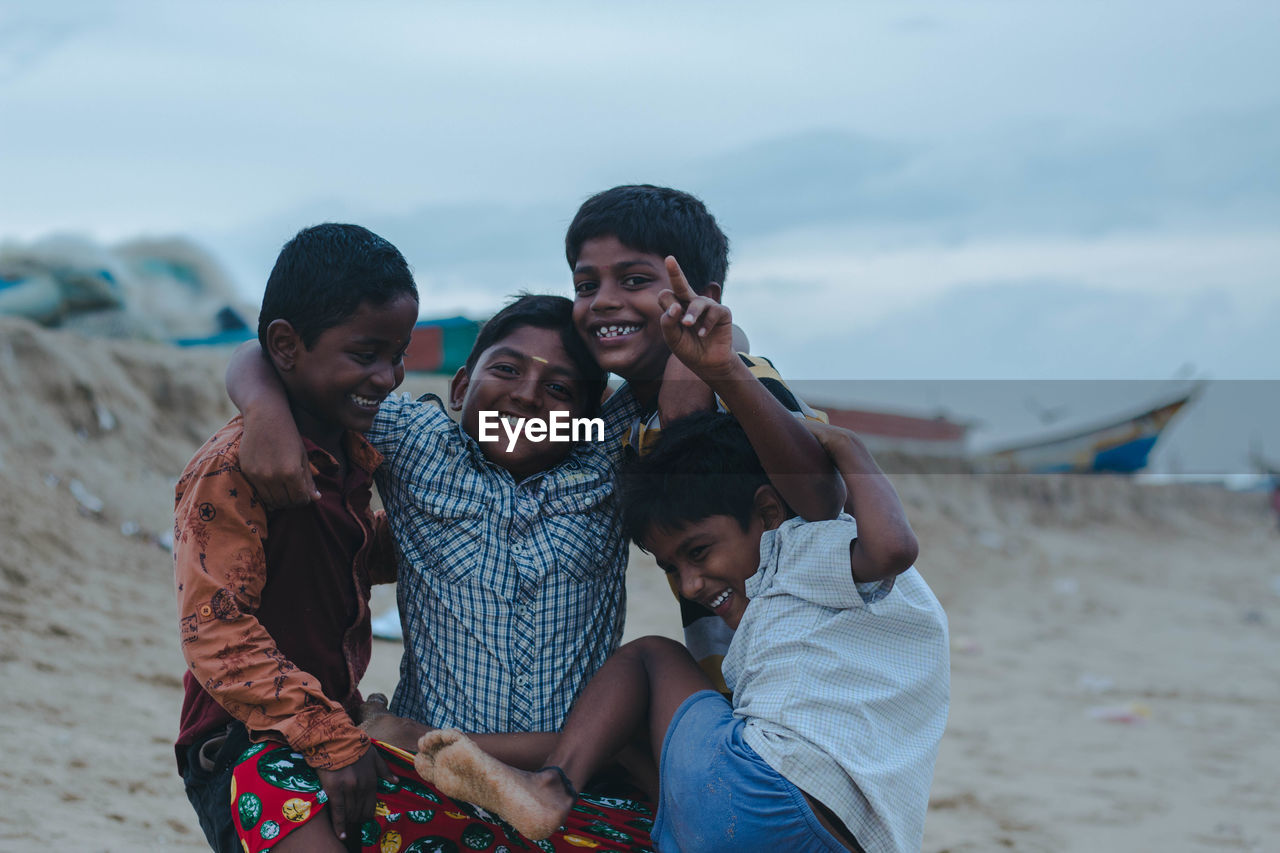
(616, 246)
(273, 605)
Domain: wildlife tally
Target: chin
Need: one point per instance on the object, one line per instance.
(359, 423)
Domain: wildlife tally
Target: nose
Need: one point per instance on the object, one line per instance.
(690, 583)
(606, 297)
(527, 393)
(388, 376)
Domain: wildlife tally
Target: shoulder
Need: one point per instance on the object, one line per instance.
(213, 486)
(795, 535)
(763, 369)
(400, 417)
(428, 407)
(219, 454)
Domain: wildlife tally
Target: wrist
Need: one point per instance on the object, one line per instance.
(725, 375)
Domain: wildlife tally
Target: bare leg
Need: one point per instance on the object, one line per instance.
(643, 684)
(526, 750)
(639, 688)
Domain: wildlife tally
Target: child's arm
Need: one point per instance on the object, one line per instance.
(272, 455)
(699, 332)
(683, 393)
(886, 545)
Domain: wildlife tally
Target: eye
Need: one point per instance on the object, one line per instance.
(503, 367)
(697, 552)
(561, 390)
(364, 357)
(635, 281)
(584, 287)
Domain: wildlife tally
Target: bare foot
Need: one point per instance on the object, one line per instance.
(536, 804)
(428, 745)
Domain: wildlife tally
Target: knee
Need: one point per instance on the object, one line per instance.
(651, 647)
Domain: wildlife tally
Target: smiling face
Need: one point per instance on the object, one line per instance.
(616, 310)
(711, 559)
(526, 374)
(338, 383)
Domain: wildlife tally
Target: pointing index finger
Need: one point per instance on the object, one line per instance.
(679, 284)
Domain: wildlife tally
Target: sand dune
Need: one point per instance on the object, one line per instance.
(1115, 677)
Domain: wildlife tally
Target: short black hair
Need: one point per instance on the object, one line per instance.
(323, 275)
(657, 220)
(544, 311)
(702, 465)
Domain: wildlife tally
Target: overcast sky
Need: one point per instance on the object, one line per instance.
(977, 189)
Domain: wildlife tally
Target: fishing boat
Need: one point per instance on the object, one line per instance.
(1121, 445)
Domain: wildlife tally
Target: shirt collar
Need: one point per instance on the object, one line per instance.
(359, 451)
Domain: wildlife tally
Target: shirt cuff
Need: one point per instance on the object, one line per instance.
(330, 741)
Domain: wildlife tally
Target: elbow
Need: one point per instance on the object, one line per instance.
(903, 553)
(896, 555)
(829, 500)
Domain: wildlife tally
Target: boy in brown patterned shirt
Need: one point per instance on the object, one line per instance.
(273, 605)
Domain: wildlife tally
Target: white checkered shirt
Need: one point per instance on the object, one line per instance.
(844, 687)
(511, 594)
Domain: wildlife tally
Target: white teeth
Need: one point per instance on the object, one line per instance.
(719, 599)
(366, 402)
(615, 331)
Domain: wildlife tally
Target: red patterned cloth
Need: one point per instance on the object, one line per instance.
(273, 792)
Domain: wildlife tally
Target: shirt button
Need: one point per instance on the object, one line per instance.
(517, 548)
(522, 681)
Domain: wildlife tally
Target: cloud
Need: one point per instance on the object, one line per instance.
(27, 40)
(1036, 178)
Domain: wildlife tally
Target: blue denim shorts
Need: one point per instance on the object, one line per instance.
(717, 794)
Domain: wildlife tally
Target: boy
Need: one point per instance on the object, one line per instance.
(273, 605)
(839, 669)
(839, 664)
(616, 246)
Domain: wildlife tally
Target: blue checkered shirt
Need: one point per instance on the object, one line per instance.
(844, 686)
(511, 594)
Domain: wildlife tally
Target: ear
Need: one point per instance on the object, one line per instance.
(458, 388)
(714, 291)
(283, 345)
(770, 508)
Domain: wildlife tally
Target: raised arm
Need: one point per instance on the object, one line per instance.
(699, 332)
(886, 544)
(272, 455)
(683, 393)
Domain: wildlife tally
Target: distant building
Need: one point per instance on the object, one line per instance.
(889, 432)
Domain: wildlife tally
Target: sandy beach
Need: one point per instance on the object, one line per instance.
(1115, 682)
